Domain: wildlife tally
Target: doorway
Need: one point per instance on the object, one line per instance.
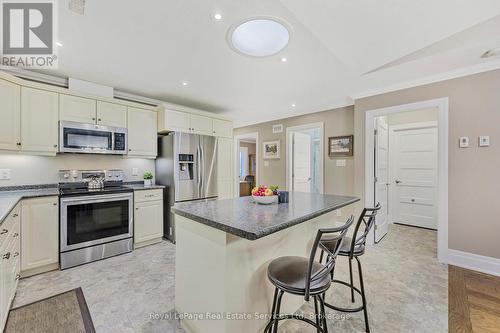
(406, 168)
(246, 166)
(305, 158)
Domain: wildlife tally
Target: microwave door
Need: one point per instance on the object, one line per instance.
(186, 171)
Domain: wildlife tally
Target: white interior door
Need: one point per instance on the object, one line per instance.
(301, 162)
(381, 177)
(415, 176)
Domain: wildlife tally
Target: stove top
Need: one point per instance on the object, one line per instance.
(97, 191)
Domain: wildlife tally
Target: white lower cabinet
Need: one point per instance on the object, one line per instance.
(148, 217)
(9, 262)
(39, 235)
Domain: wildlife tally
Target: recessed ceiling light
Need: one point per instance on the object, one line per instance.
(293, 105)
(184, 83)
(259, 37)
(218, 16)
(284, 59)
(59, 44)
(491, 53)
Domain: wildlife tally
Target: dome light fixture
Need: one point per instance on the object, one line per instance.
(259, 37)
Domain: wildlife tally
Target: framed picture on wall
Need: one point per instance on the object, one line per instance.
(271, 149)
(340, 145)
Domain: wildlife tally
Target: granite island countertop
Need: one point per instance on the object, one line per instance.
(9, 199)
(244, 218)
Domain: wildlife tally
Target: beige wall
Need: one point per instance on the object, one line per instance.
(474, 173)
(337, 180)
(419, 116)
(28, 170)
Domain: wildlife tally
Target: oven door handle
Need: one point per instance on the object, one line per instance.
(97, 198)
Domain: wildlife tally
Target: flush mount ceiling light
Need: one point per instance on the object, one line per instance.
(491, 53)
(259, 37)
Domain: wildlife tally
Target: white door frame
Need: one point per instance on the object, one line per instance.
(237, 139)
(289, 146)
(442, 105)
(392, 130)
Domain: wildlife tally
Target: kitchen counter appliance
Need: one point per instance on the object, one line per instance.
(187, 166)
(96, 216)
(91, 139)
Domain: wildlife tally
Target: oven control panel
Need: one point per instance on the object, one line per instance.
(77, 176)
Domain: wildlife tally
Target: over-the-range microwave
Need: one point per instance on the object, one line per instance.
(77, 137)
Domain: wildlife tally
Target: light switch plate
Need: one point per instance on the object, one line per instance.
(341, 163)
(464, 142)
(5, 174)
(135, 172)
(484, 141)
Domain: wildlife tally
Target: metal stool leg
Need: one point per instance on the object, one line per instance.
(351, 279)
(365, 310)
(317, 314)
(277, 312)
(273, 309)
(323, 313)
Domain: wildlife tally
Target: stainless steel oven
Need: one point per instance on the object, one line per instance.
(91, 138)
(94, 223)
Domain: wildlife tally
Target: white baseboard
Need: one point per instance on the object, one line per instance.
(488, 265)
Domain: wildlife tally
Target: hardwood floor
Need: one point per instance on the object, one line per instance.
(474, 301)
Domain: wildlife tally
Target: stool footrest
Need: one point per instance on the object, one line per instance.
(296, 317)
(350, 310)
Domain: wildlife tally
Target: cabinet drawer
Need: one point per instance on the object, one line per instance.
(10, 226)
(148, 195)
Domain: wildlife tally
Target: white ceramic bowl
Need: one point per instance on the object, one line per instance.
(267, 200)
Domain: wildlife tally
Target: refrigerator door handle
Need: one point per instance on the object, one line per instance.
(198, 169)
(202, 171)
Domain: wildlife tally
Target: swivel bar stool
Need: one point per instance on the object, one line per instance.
(353, 248)
(306, 277)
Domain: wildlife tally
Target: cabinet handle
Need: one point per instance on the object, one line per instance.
(98, 119)
(55, 146)
(149, 195)
(15, 234)
(130, 149)
(6, 256)
(93, 118)
(15, 254)
(18, 276)
(18, 143)
(137, 208)
(15, 215)
(54, 204)
(4, 231)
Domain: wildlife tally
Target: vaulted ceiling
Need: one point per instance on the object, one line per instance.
(338, 49)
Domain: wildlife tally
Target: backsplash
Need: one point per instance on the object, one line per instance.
(33, 170)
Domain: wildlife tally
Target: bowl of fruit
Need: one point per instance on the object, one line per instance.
(265, 195)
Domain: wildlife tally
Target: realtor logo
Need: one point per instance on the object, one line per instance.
(28, 34)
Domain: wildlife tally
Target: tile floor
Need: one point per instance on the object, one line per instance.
(407, 290)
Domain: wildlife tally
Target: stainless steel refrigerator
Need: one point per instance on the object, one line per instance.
(187, 166)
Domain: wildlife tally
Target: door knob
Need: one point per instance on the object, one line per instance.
(398, 181)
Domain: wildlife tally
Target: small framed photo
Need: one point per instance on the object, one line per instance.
(340, 145)
(272, 149)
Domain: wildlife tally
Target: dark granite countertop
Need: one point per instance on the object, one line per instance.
(10, 198)
(244, 218)
(141, 187)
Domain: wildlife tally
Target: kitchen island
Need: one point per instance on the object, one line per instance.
(223, 249)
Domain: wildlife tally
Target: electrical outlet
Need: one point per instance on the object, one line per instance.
(484, 141)
(5, 174)
(135, 172)
(339, 212)
(464, 142)
(341, 163)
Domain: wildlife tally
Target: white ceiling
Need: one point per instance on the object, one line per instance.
(338, 49)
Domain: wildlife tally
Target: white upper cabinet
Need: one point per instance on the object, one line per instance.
(78, 109)
(223, 128)
(177, 121)
(142, 137)
(201, 125)
(110, 114)
(10, 108)
(39, 120)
